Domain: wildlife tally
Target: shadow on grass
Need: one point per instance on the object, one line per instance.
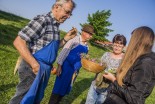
(3, 88)
(77, 89)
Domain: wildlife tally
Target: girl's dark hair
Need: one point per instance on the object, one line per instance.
(119, 39)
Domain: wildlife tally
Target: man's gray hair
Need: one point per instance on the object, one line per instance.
(61, 2)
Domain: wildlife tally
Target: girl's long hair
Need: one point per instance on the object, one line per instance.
(141, 42)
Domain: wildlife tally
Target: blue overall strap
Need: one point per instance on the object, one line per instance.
(71, 64)
(74, 57)
(45, 57)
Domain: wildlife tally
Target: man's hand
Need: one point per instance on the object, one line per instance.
(71, 34)
(59, 70)
(35, 67)
(53, 71)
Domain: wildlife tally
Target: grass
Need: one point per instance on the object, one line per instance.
(9, 27)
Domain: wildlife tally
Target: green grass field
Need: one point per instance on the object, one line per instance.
(9, 27)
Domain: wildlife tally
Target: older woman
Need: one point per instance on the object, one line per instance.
(97, 92)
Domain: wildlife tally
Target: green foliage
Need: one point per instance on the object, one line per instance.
(8, 57)
(62, 33)
(99, 20)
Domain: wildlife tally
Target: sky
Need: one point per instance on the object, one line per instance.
(126, 15)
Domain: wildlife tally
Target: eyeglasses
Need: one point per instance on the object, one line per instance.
(67, 11)
(118, 45)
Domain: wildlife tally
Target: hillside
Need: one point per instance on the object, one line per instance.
(10, 24)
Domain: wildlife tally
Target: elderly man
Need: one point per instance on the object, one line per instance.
(38, 43)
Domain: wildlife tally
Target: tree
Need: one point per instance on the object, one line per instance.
(99, 21)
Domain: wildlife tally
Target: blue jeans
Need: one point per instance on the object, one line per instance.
(26, 78)
(95, 97)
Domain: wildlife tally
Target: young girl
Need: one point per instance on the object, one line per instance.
(69, 63)
(97, 94)
(136, 75)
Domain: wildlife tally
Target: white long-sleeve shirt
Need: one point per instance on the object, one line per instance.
(71, 44)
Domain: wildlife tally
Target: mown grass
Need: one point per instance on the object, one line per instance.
(9, 27)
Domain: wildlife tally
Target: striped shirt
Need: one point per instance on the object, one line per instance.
(40, 31)
(71, 44)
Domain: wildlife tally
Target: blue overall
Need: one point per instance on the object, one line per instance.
(71, 65)
(45, 57)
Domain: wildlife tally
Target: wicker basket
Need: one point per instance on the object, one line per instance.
(92, 66)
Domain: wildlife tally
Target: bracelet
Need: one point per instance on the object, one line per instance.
(64, 40)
